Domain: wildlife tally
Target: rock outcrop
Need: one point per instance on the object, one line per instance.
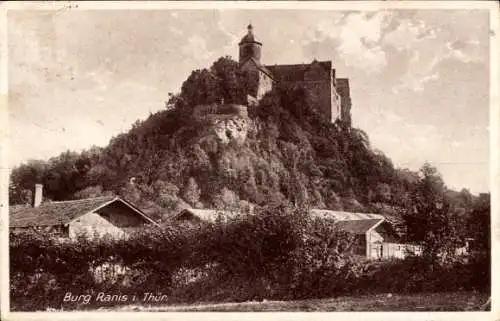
(229, 123)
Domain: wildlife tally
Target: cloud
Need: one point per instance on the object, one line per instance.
(408, 34)
(431, 42)
(420, 71)
(354, 38)
(360, 35)
(196, 47)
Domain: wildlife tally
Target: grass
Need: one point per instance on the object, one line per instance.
(448, 301)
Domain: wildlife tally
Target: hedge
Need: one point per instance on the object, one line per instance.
(279, 253)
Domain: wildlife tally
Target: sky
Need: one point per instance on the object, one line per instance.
(419, 78)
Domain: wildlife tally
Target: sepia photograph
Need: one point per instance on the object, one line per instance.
(211, 157)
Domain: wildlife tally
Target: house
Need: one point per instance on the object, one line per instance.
(97, 216)
(376, 236)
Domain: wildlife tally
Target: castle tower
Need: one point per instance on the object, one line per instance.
(249, 47)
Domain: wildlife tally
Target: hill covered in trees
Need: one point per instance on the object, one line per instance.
(286, 153)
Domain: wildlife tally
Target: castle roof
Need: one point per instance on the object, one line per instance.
(250, 37)
(295, 72)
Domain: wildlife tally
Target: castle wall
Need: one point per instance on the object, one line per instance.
(344, 92)
(335, 105)
(322, 91)
(249, 50)
(318, 78)
(202, 111)
(254, 75)
(265, 84)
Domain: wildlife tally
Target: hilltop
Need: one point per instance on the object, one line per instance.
(209, 149)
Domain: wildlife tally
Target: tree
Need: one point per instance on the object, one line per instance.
(91, 191)
(131, 192)
(25, 176)
(359, 137)
(201, 87)
(479, 223)
(191, 192)
(429, 219)
(18, 195)
(226, 199)
(382, 192)
(230, 80)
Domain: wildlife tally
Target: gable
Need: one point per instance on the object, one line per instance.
(92, 224)
(121, 215)
(253, 64)
(60, 213)
(387, 231)
(249, 64)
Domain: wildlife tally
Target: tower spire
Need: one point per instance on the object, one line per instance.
(249, 46)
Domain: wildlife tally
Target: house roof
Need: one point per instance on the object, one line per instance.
(360, 223)
(212, 214)
(358, 226)
(59, 213)
(344, 216)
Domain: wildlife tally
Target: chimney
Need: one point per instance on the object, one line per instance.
(38, 195)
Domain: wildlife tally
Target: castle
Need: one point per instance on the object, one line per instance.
(318, 77)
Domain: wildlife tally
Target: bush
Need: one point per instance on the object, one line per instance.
(46, 268)
(323, 265)
(278, 253)
(414, 274)
(249, 245)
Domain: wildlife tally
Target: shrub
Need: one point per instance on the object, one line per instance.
(415, 274)
(249, 245)
(323, 264)
(277, 253)
(45, 268)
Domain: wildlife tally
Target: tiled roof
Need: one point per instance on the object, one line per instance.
(57, 213)
(345, 216)
(358, 226)
(295, 72)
